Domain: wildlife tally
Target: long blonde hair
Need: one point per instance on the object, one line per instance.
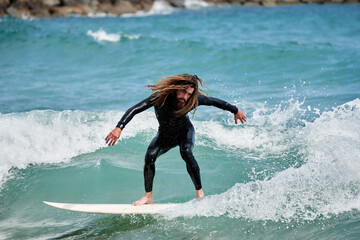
(168, 85)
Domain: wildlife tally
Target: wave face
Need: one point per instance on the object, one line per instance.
(322, 180)
(46, 136)
(325, 185)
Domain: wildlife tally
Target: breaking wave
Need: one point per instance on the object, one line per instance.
(327, 184)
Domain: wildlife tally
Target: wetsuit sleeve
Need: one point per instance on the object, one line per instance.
(131, 112)
(210, 101)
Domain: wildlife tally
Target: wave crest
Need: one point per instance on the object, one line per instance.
(102, 36)
(48, 136)
(328, 183)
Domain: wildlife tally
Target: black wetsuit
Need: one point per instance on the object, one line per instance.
(173, 131)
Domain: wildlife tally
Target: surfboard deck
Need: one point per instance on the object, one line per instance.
(113, 208)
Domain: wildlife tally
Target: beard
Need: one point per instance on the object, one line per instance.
(180, 103)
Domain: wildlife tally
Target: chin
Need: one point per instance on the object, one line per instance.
(181, 104)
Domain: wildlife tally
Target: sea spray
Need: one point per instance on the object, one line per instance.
(326, 185)
(46, 136)
(101, 35)
(269, 132)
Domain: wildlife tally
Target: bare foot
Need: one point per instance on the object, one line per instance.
(147, 199)
(200, 193)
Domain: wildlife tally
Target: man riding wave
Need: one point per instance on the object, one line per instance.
(172, 98)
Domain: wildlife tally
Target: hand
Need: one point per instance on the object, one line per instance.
(239, 115)
(113, 136)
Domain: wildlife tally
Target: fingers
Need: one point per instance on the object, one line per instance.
(111, 139)
(240, 116)
(243, 119)
(107, 139)
(112, 142)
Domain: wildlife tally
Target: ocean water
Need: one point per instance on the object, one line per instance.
(290, 172)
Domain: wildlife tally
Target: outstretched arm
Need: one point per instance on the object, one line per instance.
(210, 101)
(114, 135)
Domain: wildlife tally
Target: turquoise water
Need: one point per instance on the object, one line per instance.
(290, 172)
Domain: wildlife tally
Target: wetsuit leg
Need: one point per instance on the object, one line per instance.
(155, 149)
(186, 146)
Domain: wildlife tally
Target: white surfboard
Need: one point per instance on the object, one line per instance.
(113, 208)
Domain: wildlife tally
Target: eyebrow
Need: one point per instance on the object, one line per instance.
(188, 92)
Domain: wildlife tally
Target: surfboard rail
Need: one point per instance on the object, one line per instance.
(113, 208)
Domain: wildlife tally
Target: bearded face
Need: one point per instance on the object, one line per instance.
(182, 96)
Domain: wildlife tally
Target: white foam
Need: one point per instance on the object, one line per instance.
(159, 7)
(101, 36)
(101, 15)
(195, 4)
(51, 137)
(132, 37)
(25, 16)
(327, 184)
(266, 133)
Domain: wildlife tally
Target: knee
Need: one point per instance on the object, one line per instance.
(150, 157)
(186, 153)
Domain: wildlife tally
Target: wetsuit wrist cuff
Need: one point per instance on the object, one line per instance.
(120, 125)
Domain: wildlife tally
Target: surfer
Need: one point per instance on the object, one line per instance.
(172, 97)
